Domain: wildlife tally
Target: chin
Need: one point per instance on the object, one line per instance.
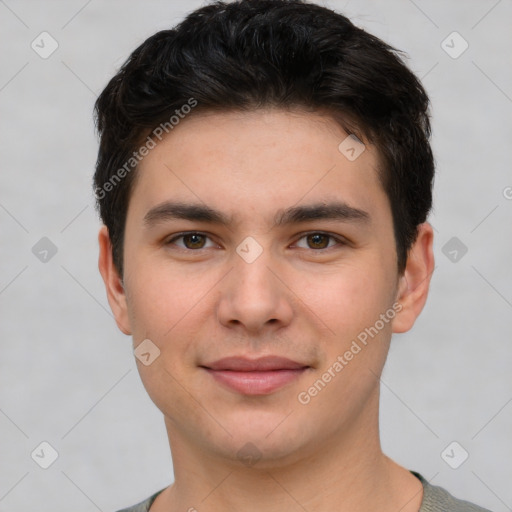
(263, 441)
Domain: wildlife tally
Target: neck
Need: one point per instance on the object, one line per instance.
(346, 472)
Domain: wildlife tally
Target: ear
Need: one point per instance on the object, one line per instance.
(414, 283)
(113, 283)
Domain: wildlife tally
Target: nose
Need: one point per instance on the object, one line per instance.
(254, 297)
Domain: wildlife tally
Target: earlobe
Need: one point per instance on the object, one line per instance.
(113, 284)
(414, 283)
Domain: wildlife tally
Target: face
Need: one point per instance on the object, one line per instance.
(260, 262)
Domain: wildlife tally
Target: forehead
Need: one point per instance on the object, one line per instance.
(258, 163)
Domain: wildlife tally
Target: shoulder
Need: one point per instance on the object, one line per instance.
(437, 499)
(143, 506)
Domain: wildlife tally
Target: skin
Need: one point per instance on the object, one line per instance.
(306, 299)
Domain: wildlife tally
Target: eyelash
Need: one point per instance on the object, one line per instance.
(340, 241)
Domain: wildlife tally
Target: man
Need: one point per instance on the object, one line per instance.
(264, 178)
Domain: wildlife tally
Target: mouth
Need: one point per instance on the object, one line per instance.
(255, 376)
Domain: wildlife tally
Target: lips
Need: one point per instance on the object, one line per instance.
(242, 364)
(260, 376)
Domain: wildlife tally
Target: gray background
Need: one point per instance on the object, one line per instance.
(68, 377)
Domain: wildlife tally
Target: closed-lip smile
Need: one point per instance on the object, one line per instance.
(260, 376)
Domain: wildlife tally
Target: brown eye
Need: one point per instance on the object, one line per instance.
(194, 241)
(318, 240)
(190, 241)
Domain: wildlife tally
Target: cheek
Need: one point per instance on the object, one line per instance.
(156, 298)
(348, 299)
(164, 308)
(176, 395)
(148, 318)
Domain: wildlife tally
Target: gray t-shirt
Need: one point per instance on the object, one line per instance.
(435, 499)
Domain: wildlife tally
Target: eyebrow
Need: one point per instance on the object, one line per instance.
(338, 210)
